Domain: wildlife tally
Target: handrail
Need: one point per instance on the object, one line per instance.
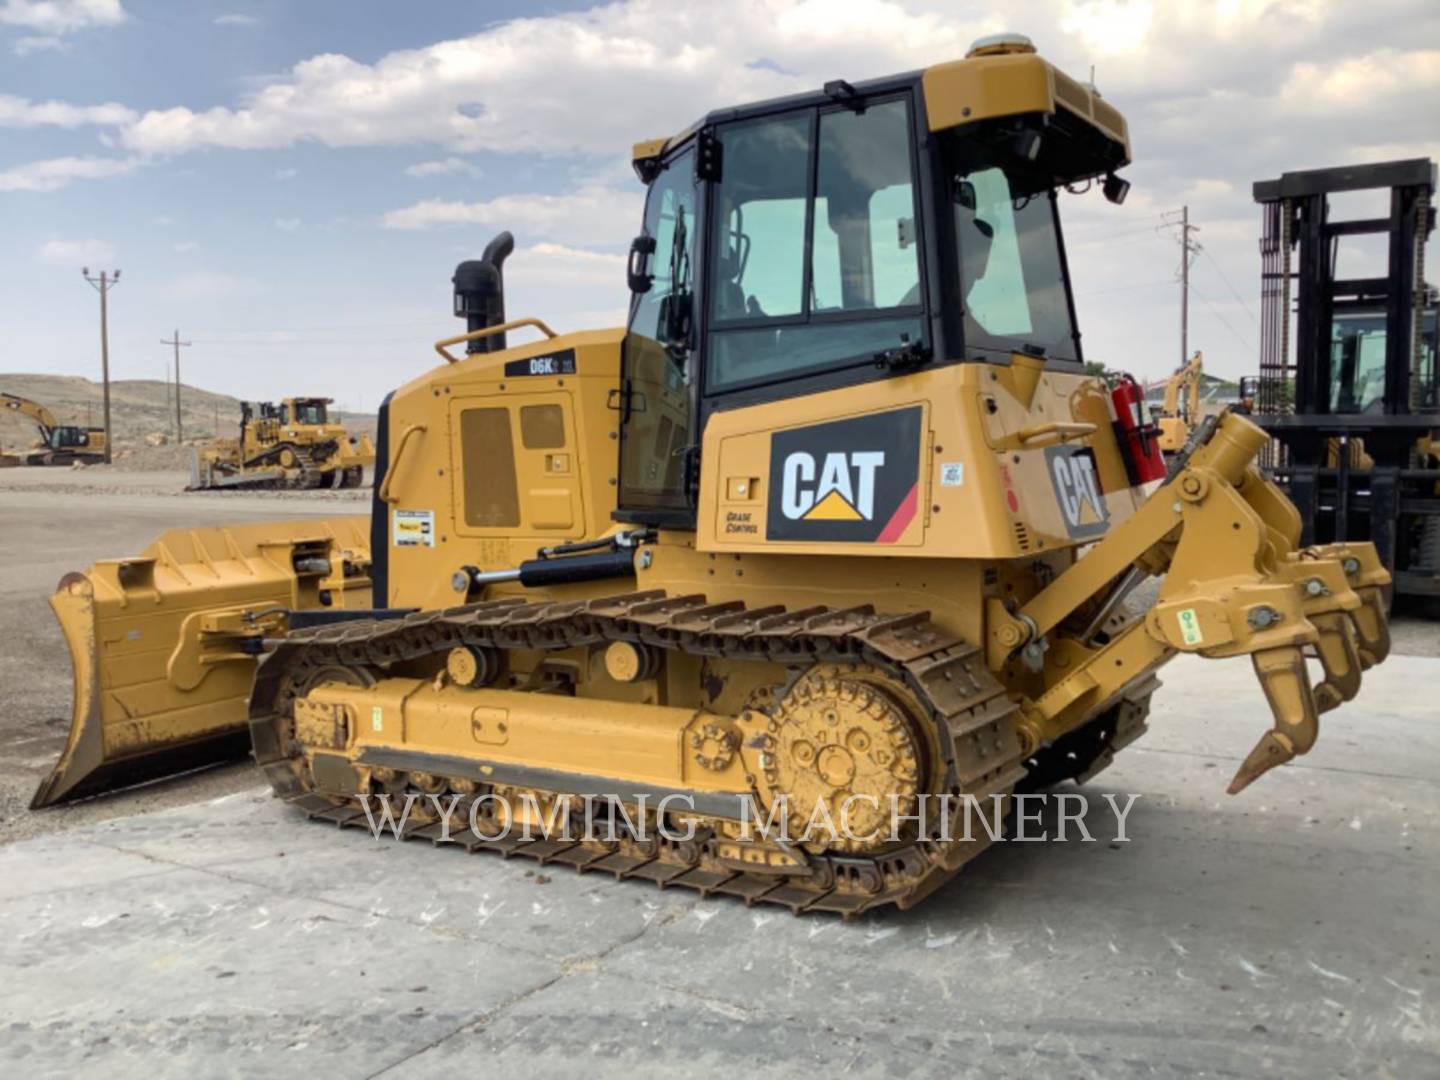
(476, 335)
(413, 429)
(1052, 433)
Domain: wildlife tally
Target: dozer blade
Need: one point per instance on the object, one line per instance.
(163, 645)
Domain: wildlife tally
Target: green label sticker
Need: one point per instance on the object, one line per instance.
(1190, 627)
(377, 717)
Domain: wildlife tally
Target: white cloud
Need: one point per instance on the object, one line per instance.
(556, 263)
(590, 215)
(40, 43)
(583, 82)
(286, 174)
(449, 166)
(75, 253)
(19, 112)
(233, 19)
(184, 247)
(1360, 83)
(288, 224)
(56, 173)
(61, 16)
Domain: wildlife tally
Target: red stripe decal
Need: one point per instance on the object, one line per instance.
(900, 520)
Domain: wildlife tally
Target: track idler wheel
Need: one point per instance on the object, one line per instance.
(1286, 684)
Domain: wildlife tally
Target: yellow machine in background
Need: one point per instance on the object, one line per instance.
(1181, 409)
(59, 444)
(292, 444)
(809, 534)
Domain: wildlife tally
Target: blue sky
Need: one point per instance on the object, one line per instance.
(292, 183)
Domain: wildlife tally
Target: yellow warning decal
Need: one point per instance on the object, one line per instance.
(1190, 627)
(377, 718)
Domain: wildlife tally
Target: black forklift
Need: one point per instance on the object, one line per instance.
(1348, 377)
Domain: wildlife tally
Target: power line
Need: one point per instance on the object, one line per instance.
(1127, 288)
(175, 341)
(299, 342)
(1189, 250)
(103, 285)
(1236, 295)
(1249, 345)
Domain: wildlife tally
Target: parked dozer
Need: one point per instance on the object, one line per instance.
(293, 444)
(59, 444)
(836, 523)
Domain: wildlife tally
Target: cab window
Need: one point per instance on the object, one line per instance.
(814, 262)
(310, 412)
(1012, 275)
(654, 398)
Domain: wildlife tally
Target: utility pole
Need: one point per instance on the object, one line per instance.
(179, 428)
(103, 284)
(1189, 251)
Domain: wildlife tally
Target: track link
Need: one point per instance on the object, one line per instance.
(971, 716)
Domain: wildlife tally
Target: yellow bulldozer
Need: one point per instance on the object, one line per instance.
(59, 444)
(835, 526)
(293, 444)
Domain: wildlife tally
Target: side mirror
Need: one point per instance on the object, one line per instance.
(637, 269)
(675, 318)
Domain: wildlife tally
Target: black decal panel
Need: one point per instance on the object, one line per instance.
(1077, 489)
(851, 480)
(556, 363)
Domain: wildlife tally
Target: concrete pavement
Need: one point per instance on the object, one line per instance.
(1290, 931)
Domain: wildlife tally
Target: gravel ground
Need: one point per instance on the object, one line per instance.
(126, 478)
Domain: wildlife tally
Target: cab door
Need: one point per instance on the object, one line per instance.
(655, 400)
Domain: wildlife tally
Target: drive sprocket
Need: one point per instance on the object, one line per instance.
(842, 747)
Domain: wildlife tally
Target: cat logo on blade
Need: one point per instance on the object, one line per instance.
(1077, 489)
(849, 480)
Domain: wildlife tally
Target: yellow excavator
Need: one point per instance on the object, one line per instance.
(292, 444)
(837, 525)
(60, 444)
(1180, 411)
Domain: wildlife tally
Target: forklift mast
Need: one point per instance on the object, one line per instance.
(1348, 364)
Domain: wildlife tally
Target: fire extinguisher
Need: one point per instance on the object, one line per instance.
(1138, 436)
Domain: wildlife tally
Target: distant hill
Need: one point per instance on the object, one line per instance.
(138, 407)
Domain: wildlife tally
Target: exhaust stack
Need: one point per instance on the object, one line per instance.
(480, 293)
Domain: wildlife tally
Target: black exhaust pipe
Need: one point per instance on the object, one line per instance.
(480, 293)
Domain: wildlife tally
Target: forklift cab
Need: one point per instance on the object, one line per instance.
(1357, 361)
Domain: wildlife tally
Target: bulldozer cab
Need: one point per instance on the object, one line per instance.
(309, 412)
(839, 238)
